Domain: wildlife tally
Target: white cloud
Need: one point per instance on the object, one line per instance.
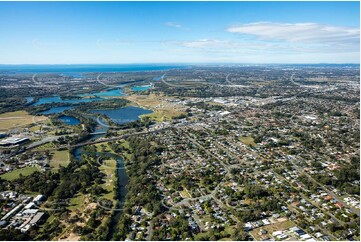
(265, 51)
(278, 42)
(299, 32)
(206, 43)
(174, 25)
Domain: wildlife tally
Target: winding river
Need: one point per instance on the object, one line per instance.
(120, 116)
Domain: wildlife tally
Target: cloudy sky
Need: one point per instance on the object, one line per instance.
(179, 32)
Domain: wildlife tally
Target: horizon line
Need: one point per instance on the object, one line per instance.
(190, 63)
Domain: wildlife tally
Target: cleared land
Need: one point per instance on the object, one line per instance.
(270, 229)
(18, 119)
(26, 171)
(146, 101)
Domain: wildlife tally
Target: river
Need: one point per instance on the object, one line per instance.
(120, 116)
(122, 178)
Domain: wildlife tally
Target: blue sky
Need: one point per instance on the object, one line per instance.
(179, 32)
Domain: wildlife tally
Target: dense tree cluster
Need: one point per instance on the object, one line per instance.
(141, 190)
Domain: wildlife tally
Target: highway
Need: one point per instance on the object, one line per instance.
(102, 140)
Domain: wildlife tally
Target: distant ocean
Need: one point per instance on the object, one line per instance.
(78, 69)
(73, 69)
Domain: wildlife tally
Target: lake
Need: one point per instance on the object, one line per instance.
(56, 110)
(57, 99)
(99, 96)
(108, 93)
(141, 88)
(29, 99)
(123, 115)
(69, 120)
(157, 78)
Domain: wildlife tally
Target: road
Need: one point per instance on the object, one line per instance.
(325, 232)
(208, 152)
(43, 141)
(111, 139)
(233, 84)
(228, 80)
(169, 84)
(331, 193)
(102, 140)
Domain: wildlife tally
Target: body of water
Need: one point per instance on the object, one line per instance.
(157, 78)
(99, 96)
(57, 99)
(141, 88)
(100, 129)
(29, 99)
(107, 93)
(69, 120)
(122, 181)
(56, 110)
(77, 70)
(123, 115)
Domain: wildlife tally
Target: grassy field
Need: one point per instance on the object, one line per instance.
(108, 168)
(44, 147)
(162, 109)
(145, 100)
(76, 202)
(185, 194)
(125, 154)
(100, 146)
(125, 144)
(59, 158)
(247, 140)
(18, 119)
(35, 128)
(16, 173)
(163, 114)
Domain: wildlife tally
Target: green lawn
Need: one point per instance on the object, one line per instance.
(126, 155)
(76, 202)
(185, 194)
(103, 147)
(35, 128)
(108, 168)
(16, 173)
(163, 114)
(60, 158)
(44, 147)
(247, 140)
(125, 144)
